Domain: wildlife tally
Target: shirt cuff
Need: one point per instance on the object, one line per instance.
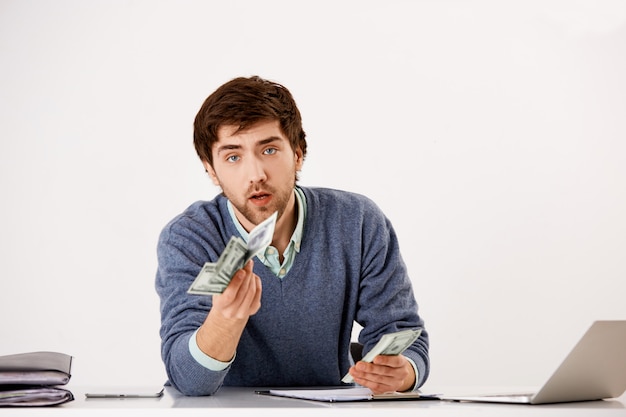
(417, 375)
(207, 361)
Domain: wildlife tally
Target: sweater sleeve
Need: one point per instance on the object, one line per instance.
(181, 253)
(386, 298)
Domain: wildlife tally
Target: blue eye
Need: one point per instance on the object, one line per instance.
(232, 158)
(270, 151)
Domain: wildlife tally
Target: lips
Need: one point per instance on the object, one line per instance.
(260, 198)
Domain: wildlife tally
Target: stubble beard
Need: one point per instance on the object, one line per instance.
(256, 215)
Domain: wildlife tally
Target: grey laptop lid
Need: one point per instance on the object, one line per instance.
(595, 369)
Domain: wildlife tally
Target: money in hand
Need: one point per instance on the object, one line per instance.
(206, 281)
(231, 260)
(215, 277)
(389, 344)
(261, 236)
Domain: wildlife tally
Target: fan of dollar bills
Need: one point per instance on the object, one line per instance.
(215, 276)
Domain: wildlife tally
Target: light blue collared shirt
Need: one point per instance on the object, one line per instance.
(270, 257)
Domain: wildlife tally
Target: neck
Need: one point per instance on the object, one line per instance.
(285, 225)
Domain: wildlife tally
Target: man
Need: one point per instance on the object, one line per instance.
(286, 317)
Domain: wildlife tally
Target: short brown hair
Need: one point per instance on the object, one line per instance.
(244, 102)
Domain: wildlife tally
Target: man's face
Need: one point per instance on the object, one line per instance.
(256, 169)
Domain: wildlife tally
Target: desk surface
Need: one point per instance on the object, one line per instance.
(172, 403)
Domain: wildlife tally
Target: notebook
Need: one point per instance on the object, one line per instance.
(595, 369)
(345, 394)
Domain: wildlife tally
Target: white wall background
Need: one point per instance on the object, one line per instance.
(491, 133)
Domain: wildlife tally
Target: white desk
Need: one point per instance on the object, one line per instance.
(238, 401)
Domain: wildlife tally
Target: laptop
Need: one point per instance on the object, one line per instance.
(595, 369)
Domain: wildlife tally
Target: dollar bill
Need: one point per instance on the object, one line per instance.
(389, 344)
(214, 277)
(261, 236)
(206, 282)
(231, 260)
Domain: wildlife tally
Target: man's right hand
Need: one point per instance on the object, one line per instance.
(242, 297)
(219, 335)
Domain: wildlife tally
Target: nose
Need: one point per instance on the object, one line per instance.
(256, 171)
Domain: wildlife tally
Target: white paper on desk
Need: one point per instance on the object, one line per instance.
(342, 394)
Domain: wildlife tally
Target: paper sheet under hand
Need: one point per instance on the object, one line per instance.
(345, 394)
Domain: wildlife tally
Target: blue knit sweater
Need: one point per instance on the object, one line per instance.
(349, 269)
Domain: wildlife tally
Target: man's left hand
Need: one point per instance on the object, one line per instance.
(385, 374)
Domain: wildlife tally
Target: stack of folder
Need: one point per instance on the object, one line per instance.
(34, 379)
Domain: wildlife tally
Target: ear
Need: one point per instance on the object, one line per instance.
(299, 158)
(209, 170)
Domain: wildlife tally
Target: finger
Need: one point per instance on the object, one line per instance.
(373, 370)
(238, 280)
(249, 265)
(376, 383)
(248, 299)
(392, 361)
(256, 306)
(253, 295)
(229, 295)
(228, 302)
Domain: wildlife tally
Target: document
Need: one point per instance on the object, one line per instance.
(346, 394)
